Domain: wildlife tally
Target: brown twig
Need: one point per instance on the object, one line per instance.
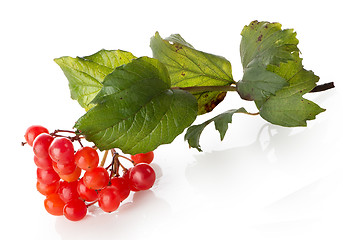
(323, 87)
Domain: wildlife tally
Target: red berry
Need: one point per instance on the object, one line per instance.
(122, 187)
(143, 157)
(63, 169)
(68, 191)
(43, 163)
(109, 199)
(85, 193)
(32, 132)
(54, 204)
(142, 176)
(96, 178)
(41, 145)
(75, 210)
(126, 176)
(48, 176)
(47, 189)
(87, 158)
(62, 150)
(74, 176)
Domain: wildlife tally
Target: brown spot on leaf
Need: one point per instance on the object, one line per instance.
(259, 39)
(177, 47)
(211, 105)
(183, 74)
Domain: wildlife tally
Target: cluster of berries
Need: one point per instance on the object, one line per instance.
(73, 180)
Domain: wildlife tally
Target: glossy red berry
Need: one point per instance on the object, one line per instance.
(48, 176)
(74, 176)
(63, 169)
(75, 210)
(54, 204)
(32, 132)
(109, 199)
(43, 163)
(122, 187)
(85, 193)
(143, 157)
(86, 158)
(142, 176)
(41, 145)
(96, 178)
(68, 191)
(47, 189)
(126, 176)
(61, 150)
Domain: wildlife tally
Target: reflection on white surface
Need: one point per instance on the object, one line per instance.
(133, 218)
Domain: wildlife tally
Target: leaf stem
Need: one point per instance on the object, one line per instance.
(207, 88)
(323, 87)
(252, 114)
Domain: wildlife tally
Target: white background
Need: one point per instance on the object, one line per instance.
(261, 182)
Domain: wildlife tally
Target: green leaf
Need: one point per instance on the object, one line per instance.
(136, 110)
(86, 74)
(274, 76)
(264, 44)
(221, 122)
(287, 107)
(189, 67)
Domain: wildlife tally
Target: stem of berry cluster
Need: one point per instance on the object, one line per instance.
(102, 163)
(113, 167)
(114, 164)
(77, 137)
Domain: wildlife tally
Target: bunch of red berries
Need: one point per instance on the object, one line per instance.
(60, 169)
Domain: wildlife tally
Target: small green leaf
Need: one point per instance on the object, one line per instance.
(189, 67)
(136, 110)
(264, 44)
(86, 74)
(221, 123)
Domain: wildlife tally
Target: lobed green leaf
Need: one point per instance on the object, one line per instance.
(274, 76)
